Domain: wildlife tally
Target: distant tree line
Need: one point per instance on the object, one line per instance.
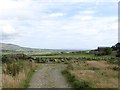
(117, 48)
(107, 50)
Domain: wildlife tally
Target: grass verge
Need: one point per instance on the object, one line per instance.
(27, 80)
(76, 83)
(93, 74)
(21, 79)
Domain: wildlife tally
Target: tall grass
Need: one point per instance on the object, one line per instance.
(19, 79)
(76, 83)
(92, 74)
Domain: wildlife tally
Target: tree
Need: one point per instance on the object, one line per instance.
(118, 49)
(107, 51)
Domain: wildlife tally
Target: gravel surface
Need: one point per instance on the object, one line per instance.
(49, 76)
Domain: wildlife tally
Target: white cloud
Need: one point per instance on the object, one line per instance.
(73, 1)
(83, 17)
(6, 5)
(8, 29)
(56, 14)
(48, 24)
(87, 12)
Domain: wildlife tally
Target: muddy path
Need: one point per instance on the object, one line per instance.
(49, 76)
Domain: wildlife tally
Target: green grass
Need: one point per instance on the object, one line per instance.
(30, 74)
(76, 83)
(27, 81)
(76, 55)
(25, 52)
(64, 55)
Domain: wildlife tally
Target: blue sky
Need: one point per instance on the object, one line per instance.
(67, 24)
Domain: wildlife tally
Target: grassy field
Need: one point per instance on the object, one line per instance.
(80, 73)
(25, 52)
(75, 55)
(92, 74)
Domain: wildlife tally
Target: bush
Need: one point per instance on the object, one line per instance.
(76, 83)
(113, 61)
(118, 53)
(107, 51)
(94, 68)
(6, 59)
(14, 57)
(116, 68)
(66, 62)
(82, 84)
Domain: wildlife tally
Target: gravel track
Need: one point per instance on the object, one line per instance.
(49, 76)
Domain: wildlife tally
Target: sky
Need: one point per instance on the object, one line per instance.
(63, 24)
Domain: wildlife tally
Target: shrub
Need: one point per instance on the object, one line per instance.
(116, 68)
(66, 62)
(113, 61)
(94, 68)
(6, 59)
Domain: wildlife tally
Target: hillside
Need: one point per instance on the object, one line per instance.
(12, 48)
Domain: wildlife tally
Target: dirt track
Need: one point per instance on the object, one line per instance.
(49, 76)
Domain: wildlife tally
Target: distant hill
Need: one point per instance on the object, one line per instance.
(5, 47)
(13, 47)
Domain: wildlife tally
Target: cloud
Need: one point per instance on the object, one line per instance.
(87, 12)
(83, 17)
(56, 14)
(7, 31)
(76, 1)
(53, 24)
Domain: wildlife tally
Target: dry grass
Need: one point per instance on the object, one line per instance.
(18, 81)
(100, 64)
(99, 73)
(13, 82)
